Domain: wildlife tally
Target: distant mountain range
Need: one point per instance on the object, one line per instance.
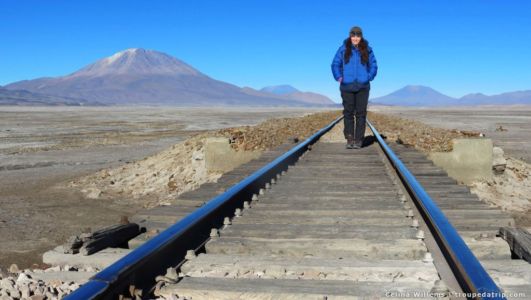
(417, 95)
(147, 77)
(22, 97)
(279, 89)
(290, 93)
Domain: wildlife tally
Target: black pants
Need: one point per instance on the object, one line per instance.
(355, 104)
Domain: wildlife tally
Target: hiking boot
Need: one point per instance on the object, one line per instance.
(350, 142)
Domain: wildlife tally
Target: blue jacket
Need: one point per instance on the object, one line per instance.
(354, 70)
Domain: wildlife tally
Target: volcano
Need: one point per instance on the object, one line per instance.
(147, 77)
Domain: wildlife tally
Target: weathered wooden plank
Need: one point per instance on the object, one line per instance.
(519, 240)
(112, 236)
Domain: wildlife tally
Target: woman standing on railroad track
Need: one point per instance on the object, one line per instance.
(354, 66)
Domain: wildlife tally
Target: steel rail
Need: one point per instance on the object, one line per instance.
(143, 264)
(472, 277)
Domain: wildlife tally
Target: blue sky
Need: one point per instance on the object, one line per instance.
(456, 47)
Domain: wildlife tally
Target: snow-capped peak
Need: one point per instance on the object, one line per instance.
(118, 55)
(137, 61)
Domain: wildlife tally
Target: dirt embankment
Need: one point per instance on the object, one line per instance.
(511, 190)
(159, 178)
(414, 133)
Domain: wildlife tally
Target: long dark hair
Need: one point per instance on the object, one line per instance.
(362, 46)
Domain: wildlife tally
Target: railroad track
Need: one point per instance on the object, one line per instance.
(323, 222)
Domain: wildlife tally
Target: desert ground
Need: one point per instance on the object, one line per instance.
(509, 127)
(45, 146)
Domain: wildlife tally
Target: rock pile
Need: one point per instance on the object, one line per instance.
(39, 284)
(419, 135)
(274, 132)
